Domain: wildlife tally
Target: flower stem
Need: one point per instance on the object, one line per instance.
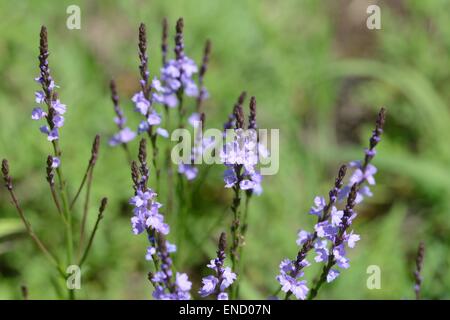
(85, 208)
(94, 231)
(65, 204)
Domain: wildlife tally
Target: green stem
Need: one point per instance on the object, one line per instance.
(65, 204)
(50, 257)
(322, 279)
(91, 238)
(83, 181)
(240, 266)
(235, 228)
(85, 209)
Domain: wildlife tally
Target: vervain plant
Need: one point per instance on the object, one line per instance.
(241, 154)
(52, 112)
(331, 232)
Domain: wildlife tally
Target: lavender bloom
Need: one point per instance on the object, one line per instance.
(148, 218)
(223, 278)
(176, 74)
(320, 204)
(189, 170)
(242, 154)
(342, 237)
(125, 134)
(166, 287)
(146, 208)
(47, 96)
(291, 271)
(289, 280)
(200, 145)
(143, 99)
(55, 162)
(365, 171)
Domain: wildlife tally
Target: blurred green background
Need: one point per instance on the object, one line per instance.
(318, 74)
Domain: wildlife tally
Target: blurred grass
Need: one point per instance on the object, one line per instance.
(318, 74)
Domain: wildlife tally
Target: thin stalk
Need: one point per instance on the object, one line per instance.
(56, 201)
(85, 208)
(169, 168)
(65, 204)
(235, 227)
(80, 188)
(94, 231)
(50, 257)
(153, 136)
(241, 247)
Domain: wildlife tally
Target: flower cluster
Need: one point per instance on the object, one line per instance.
(162, 280)
(331, 232)
(364, 170)
(223, 278)
(148, 218)
(201, 144)
(242, 154)
(125, 134)
(146, 208)
(143, 100)
(47, 96)
(290, 279)
(342, 237)
(176, 75)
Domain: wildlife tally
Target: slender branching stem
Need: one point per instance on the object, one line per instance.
(85, 208)
(94, 230)
(8, 183)
(419, 266)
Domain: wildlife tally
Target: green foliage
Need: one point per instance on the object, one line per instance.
(322, 95)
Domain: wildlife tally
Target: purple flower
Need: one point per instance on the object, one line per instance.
(319, 205)
(55, 162)
(162, 132)
(141, 103)
(153, 119)
(325, 230)
(298, 288)
(223, 278)
(303, 236)
(123, 136)
(47, 96)
(190, 171)
(332, 274)
(229, 176)
(336, 216)
(242, 151)
(51, 134)
(351, 239)
(38, 114)
(359, 176)
(182, 282)
(320, 247)
(58, 121)
(246, 184)
(289, 280)
(222, 296)
(150, 252)
(59, 107)
(194, 120)
(209, 284)
(39, 97)
(228, 278)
